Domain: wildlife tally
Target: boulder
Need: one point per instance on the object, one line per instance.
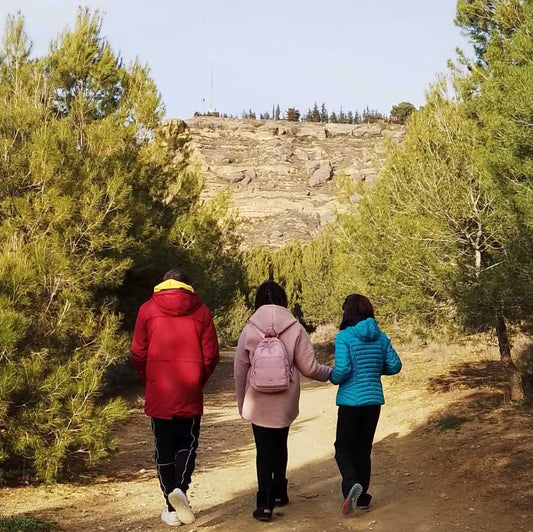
(301, 154)
(234, 177)
(309, 130)
(284, 152)
(334, 130)
(320, 176)
(315, 154)
(250, 174)
(174, 127)
(312, 165)
(222, 158)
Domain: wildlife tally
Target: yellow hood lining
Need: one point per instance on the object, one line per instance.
(172, 284)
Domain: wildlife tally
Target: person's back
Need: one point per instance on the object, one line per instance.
(271, 414)
(175, 350)
(280, 409)
(363, 353)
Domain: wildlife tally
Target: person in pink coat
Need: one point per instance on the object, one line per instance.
(271, 414)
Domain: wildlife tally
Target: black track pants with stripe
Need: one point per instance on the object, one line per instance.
(176, 441)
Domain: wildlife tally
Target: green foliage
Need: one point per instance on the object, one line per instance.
(293, 114)
(283, 265)
(204, 243)
(370, 116)
(401, 112)
(258, 267)
(490, 20)
(393, 234)
(324, 117)
(320, 282)
(306, 271)
(498, 97)
(25, 524)
(315, 114)
(433, 240)
(287, 271)
(97, 199)
(444, 238)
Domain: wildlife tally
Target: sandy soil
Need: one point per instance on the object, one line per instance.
(450, 455)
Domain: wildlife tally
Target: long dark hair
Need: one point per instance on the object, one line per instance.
(270, 293)
(355, 308)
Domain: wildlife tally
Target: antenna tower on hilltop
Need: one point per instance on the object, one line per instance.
(212, 108)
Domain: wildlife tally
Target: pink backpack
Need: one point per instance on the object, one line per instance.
(271, 370)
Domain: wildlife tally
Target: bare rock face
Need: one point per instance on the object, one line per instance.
(281, 174)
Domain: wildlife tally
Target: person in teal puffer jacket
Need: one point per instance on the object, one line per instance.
(363, 353)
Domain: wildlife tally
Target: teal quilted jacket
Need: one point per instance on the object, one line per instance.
(363, 353)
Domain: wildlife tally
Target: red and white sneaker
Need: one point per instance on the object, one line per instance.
(351, 499)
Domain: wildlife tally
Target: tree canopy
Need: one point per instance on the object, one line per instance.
(97, 198)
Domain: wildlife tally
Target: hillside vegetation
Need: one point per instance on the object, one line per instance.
(442, 243)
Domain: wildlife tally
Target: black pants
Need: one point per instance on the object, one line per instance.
(271, 457)
(356, 426)
(176, 441)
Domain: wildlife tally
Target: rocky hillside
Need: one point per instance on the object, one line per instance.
(281, 175)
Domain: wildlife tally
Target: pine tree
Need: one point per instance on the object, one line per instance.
(315, 114)
(342, 117)
(258, 265)
(401, 112)
(440, 235)
(287, 270)
(93, 186)
(319, 283)
(293, 115)
(324, 117)
(277, 113)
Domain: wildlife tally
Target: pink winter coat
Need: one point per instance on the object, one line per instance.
(274, 410)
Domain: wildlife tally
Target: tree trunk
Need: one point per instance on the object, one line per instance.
(514, 376)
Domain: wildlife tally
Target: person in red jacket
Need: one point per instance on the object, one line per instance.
(175, 350)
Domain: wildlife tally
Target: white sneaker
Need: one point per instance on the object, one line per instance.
(170, 518)
(180, 503)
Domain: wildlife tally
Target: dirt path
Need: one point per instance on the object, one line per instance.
(474, 478)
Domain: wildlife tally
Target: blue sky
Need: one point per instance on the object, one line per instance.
(349, 53)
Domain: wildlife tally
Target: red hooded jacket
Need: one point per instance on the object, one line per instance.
(174, 350)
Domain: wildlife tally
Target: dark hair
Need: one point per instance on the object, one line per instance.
(270, 293)
(177, 274)
(355, 308)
